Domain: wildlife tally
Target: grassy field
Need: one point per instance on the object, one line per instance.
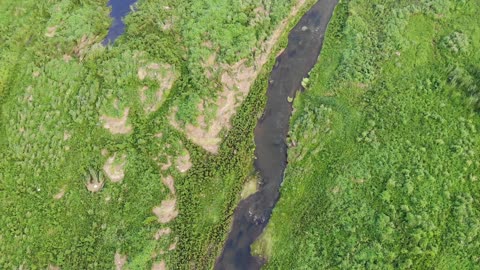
(91, 137)
(384, 163)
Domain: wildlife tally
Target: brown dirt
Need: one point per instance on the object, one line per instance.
(167, 211)
(164, 74)
(51, 31)
(162, 232)
(200, 134)
(166, 166)
(95, 186)
(120, 261)
(167, 25)
(117, 125)
(66, 135)
(169, 182)
(159, 266)
(67, 58)
(60, 193)
(115, 169)
(236, 80)
(95, 182)
(83, 45)
(173, 245)
(184, 163)
(53, 267)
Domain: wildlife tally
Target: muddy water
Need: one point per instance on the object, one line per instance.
(252, 214)
(120, 8)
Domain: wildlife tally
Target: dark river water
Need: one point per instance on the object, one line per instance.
(252, 214)
(120, 8)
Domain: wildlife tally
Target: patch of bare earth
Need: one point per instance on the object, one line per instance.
(162, 232)
(95, 186)
(236, 80)
(115, 168)
(173, 245)
(159, 266)
(167, 211)
(165, 75)
(66, 135)
(169, 182)
(51, 31)
(120, 260)
(166, 166)
(95, 182)
(201, 134)
(83, 45)
(184, 163)
(117, 125)
(60, 193)
(67, 58)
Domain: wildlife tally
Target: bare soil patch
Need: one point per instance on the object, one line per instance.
(169, 182)
(95, 186)
(60, 193)
(114, 168)
(66, 135)
(162, 232)
(67, 58)
(117, 125)
(51, 31)
(159, 266)
(184, 163)
(83, 45)
(200, 134)
(120, 260)
(166, 166)
(95, 181)
(173, 245)
(167, 211)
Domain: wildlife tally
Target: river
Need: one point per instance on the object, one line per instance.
(252, 214)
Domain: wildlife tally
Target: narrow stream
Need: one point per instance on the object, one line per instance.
(120, 8)
(252, 214)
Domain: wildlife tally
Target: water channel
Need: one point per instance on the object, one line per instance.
(120, 8)
(252, 214)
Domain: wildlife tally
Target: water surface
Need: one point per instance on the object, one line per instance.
(120, 8)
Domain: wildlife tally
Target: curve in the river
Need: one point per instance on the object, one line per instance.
(120, 8)
(252, 214)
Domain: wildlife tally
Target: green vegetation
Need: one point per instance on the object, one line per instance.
(59, 89)
(385, 172)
